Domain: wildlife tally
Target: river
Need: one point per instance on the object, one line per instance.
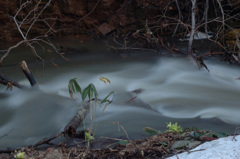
(173, 90)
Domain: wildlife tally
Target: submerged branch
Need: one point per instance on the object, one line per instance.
(8, 82)
(72, 126)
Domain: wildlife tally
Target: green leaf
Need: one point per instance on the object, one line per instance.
(88, 136)
(174, 127)
(221, 134)
(105, 80)
(195, 134)
(150, 131)
(77, 87)
(73, 87)
(20, 155)
(105, 99)
(93, 88)
(90, 92)
(85, 92)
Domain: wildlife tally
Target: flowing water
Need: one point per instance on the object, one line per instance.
(173, 90)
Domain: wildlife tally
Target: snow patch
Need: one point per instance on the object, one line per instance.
(223, 148)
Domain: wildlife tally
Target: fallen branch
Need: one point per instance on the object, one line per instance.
(8, 82)
(45, 141)
(28, 73)
(72, 126)
(69, 130)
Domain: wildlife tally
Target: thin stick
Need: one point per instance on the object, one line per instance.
(6, 81)
(90, 11)
(206, 16)
(28, 73)
(194, 10)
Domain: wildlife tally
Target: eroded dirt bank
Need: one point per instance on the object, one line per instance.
(74, 17)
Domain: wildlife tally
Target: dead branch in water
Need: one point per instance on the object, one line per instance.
(28, 73)
(71, 128)
(8, 82)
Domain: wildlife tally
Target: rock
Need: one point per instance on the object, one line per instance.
(106, 28)
(184, 143)
(180, 144)
(55, 154)
(193, 144)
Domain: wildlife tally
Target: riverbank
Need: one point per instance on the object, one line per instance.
(157, 146)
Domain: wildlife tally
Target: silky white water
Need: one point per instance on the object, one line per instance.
(173, 90)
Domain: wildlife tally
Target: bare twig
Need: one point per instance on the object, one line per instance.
(179, 16)
(90, 11)
(222, 12)
(45, 141)
(194, 11)
(10, 49)
(206, 16)
(29, 20)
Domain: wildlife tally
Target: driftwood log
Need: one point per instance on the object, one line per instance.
(71, 128)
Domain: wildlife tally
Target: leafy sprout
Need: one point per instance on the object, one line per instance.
(88, 136)
(73, 87)
(174, 127)
(20, 155)
(90, 93)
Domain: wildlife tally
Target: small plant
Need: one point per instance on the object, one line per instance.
(88, 136)
(20, 155)
(90, 93)
(174, 127)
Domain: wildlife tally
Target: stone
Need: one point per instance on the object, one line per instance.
(105, 28)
